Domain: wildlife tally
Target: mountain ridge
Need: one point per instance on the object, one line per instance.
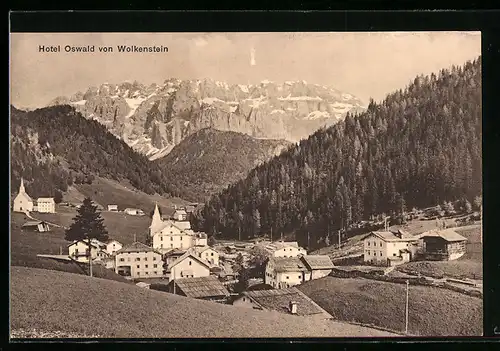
(153, 119)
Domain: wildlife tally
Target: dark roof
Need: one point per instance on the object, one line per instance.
(390, 236)
(279, 300)
(201, 287)
(288, 264)
(318, 261)
(137, 247)
(260, 286)
(446, 234)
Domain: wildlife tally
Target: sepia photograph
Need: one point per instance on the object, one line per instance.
(245, 185)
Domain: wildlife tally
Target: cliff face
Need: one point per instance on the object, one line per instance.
(153, 119)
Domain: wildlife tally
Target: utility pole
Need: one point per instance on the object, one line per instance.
(406, 320)
(173, 278)
(90, 258)
(60, 250)
(308, 245)
(339, 239)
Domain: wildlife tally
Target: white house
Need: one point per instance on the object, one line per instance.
(284, 272)
(285, 249)
(46, 205)
(23, 202)
(138, 260)
(134, 212)
(112, 246)
(388, 248)
(113, 208)
(78, 250)
(207, 253)
(188, 265)
(180, 215)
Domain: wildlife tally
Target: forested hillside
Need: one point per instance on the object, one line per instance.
(209, 160)
(54, 147)
(418, 147)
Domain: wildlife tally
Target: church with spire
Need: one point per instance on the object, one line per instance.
(23, 202)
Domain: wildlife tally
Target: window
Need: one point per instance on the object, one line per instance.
(171, 238)
(122, 259)
(161, 237)
(380, 253)
(145, 258)
(394, 254)
(76, 251)
(380, 244)
(300, 277)
(154, 258)
(181, 237)
(244, 299)
(368, 243)
(368, 252)
(287, 277)
(211, 254)
(147, 273)
(138, 266)
(145, 266)
(171, 245)
(284, 249)
(154, 272)
(190, 263)
(138, 273)
(161, 246)
(137, 258)
(128, 259)
(155, 265)
(290, 249)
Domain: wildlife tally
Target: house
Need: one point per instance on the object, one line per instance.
(318, 265)
(22, 202)
(143, 285)
(179, 215)
(389, 248)
(288, 301)
(46, 205)
(172, 237)
(113, 208)
(200, 239)
(444, 244)
(138, 260)
(207, 253)
(37, 226)
(204, 288)
(284, 272)
(172, 255)
(112, 246)
(134, 212)
(79, 250)
(284, 249)
(188, 265)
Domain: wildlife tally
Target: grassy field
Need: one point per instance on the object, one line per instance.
(432, 311)
(52, 301)
(106, 192)
(468, 266)
(120, 226)
(24, 247)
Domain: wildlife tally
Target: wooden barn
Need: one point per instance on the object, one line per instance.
(36, 226)
(443, 245)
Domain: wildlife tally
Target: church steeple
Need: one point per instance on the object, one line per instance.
(156, 221)
(21, 187)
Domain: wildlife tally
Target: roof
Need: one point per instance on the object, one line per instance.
(132, 209)
(446, 234)
(173, 252)
(25, 194)
(49, 199)
(288, 264)
(137, 247)
(93, 243)
(201, 287)
(201, 249)
(390, 236)
(113, 241)
(186, 255)
(112, 205)
(180, 212)
(142, 284)
(33, 223)
(318, 261)
(279, 300)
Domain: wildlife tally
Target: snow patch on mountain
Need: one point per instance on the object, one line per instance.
(317, 115)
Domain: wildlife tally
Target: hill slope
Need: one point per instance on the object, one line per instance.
(207, 161)
(63, 302)
(153, 119)
(432, 311)
(418, 147)
(53, 148)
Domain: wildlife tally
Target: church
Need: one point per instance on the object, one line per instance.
(24, 203)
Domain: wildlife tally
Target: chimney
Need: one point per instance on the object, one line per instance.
(293, 307)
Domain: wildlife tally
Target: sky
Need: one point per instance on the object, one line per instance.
(367, 65)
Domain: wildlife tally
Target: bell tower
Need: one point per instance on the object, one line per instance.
(156, 221)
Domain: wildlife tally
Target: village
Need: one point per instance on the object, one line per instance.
(258, 274)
